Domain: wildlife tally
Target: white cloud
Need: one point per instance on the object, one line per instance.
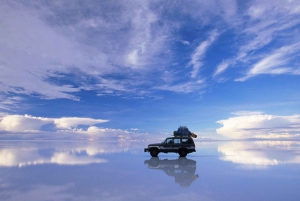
(246, 113)
(133, 58)
(94, 129)
(39, 49)
(185, 87)
(273, 18)
(114, 48)
(269, 24)
(222, 67)
(27, 123)
(73, 122)
(296, 10)
(29, 50)
(260, 126)
(185, 42)
(23, 123)
(118, 134)
(144, 42)
(10, 103)
(199, 53)
(277, 62)
(15, 126)
(229, 11)
(256, 12)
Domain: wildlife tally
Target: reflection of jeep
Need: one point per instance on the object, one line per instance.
(182, 169)
(179, 144)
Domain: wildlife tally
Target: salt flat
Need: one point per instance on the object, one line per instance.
(84, 170)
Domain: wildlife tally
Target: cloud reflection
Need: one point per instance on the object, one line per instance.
(260, 154)
(182, 169)
(61, 153)
(23, 157)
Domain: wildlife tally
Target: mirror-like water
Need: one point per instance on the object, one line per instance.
(74, 170)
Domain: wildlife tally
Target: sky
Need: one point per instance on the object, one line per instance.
(138, 69)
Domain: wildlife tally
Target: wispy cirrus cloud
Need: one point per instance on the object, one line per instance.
(198, 55)
(138, 49)
(278, 62)
(103, 45)
(185, 87)
(222, 67)
(9, 103)
(262, 37)
(52, 43)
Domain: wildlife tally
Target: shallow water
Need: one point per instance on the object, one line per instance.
(83, 170)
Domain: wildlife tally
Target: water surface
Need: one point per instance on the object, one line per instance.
(83, 170)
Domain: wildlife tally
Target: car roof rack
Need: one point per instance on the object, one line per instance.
(183, 131)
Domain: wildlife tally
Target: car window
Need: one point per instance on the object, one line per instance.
(187, 141)
(176, 141)
(184, 141)
(169, 141)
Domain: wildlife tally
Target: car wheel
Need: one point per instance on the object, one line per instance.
(154, 152)
(182, 152)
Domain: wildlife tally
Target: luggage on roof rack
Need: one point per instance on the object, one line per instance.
(184, 131)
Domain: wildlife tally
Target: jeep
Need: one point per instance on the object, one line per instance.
(182, 145)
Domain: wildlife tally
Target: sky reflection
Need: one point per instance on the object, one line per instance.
(260, 154)
(122, 171)
(63, 153)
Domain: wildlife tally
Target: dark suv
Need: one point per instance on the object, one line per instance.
(178, 144)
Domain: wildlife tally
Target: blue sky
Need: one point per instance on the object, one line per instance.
(132, 69)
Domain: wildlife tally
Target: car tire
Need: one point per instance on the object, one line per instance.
(154, 152)
(182, 152)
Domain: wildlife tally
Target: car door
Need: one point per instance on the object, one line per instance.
(177, 144)
(168, 145)
(185, 142)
